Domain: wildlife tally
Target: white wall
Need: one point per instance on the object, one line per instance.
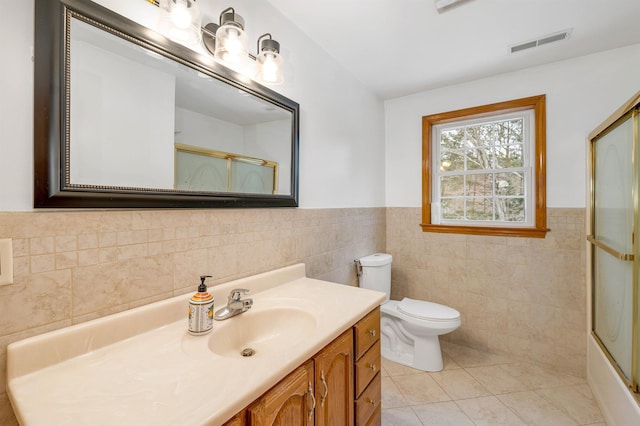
(114, 134)
(16, 105)
(581, 93)
(208, 132)
(341, 125)
(258, 143)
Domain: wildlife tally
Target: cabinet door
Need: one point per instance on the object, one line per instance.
(290, 402)
(334, 382)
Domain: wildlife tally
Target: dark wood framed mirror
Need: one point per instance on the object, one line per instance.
(113, 101)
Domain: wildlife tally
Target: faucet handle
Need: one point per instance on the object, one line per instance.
(236, 293)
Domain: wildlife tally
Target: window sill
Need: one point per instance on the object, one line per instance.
(486, 230)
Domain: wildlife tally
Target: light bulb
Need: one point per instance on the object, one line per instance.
(180, 21)
(234, 44)
(180, 15)
(231, 48)
(270, 69)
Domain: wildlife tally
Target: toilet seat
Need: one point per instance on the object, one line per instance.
(422, 309)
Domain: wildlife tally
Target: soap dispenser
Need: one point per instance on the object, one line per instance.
(201, 310)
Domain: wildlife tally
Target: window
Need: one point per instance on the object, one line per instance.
(484, 170)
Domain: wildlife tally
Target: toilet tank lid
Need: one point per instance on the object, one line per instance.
(376, 259)
(427, 310)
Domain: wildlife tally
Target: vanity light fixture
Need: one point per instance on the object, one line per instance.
(227, 42)
(180, 20)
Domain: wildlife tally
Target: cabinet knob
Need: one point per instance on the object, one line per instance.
(373, 402)
(372, 367)
(372, 333)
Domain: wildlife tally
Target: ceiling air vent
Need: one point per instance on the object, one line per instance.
(562, 35)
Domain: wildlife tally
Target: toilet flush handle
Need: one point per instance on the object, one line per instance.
(358, 267)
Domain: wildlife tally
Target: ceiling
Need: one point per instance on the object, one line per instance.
(400, 47)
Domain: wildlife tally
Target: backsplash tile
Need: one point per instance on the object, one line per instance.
(71, 267)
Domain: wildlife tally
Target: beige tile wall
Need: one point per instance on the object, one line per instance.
(71, 267)
(517, 296)
(520, 297)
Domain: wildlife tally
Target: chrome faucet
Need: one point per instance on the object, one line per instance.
(235, 305)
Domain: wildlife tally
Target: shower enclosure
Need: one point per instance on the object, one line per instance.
(615, 174)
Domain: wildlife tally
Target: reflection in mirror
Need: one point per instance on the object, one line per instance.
(129, 103)
(200, 169)
(144, 119)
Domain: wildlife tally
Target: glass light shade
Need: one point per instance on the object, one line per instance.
(269, 67)
(180, 20)
(232, 44)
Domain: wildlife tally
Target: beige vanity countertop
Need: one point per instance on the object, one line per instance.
(142, 367)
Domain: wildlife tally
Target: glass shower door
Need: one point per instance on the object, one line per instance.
(613, 245)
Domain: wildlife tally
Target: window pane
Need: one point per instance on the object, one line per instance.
(510, 183)
(452, 139)
(452, 208)
(451, 186)
(479, 159)
(479, 209)
(481, 136)
(509, 156)
(510, 209)
(451, 161)
(509, 132)
(480, 185)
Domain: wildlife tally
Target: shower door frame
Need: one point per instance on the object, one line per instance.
(630, 110)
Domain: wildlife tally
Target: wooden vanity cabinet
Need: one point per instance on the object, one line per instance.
(290, 402)
(367, 370)
(342, 382)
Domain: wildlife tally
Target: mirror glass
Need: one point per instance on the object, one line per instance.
(149, 118)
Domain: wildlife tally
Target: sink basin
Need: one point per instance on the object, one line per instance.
(265, 331)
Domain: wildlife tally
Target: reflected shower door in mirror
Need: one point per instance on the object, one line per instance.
(145, 122)
(202, 169)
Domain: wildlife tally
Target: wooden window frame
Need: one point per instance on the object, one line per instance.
(535, 103)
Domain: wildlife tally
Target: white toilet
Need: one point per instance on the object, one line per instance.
(409, 328)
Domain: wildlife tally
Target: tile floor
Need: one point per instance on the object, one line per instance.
(478, 388)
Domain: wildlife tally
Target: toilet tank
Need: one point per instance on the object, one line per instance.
(376, 272)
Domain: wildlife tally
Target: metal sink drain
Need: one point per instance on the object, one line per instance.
(247, 352)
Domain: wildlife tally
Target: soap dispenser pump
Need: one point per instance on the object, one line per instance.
(201, 309)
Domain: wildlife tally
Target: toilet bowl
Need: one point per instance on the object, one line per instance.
(409, 327)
